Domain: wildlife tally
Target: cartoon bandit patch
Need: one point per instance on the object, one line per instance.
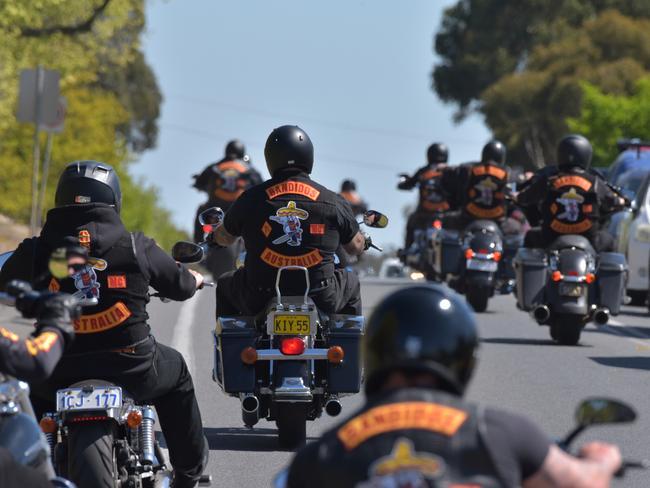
(486, 188)
(571, 201)
(289, 218)
(85, 278)
(404, 468)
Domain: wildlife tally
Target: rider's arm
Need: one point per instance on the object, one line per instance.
(352, 240)
(172, 280)
(233, 223)
(357, 245)
(594, 469)
(202, 180)
(19, 265)
(32, 359)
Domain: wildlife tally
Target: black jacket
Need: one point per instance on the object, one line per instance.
(121, 269)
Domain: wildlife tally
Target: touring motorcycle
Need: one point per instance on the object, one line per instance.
(291, 361)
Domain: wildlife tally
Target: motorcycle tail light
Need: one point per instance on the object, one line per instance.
(496, 255)
(335, 354)
(48, 425)
(556, 276)
(573, 273)
(249, 355)
(437, 224)
(292, 346)
(134, 419)
(590, 278)
(88, 418)
(469, 253)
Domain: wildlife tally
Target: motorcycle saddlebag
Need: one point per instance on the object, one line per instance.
(231, 336)
(531, 275)
(345, 331)
(611, 279)
(448, 252)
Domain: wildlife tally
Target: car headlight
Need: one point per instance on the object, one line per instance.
(643, 233)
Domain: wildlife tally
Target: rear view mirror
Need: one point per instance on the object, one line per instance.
(64, 261)
(187, 252)
(372, 218)
(595, 411)
(211, 216)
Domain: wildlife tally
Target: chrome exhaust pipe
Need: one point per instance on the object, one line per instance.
(250, 409)
(333, 407)
(541, 314)
(601, 316)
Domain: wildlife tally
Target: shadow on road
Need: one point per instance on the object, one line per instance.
(519, 341)
(643, 312)
(626, 362)
(632, 331)
(242, 439)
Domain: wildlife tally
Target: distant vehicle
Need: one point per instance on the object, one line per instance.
(633, 240)
(392, 268)
(630, 181)
(634, 154)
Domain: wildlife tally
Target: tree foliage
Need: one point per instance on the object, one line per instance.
(480, 41)
(113, 98)
(605, 118)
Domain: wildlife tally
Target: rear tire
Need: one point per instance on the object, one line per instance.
(292, 424)
(478, 298)
(566, 330)
(91, 455)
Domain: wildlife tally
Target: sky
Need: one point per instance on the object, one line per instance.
(354, 74)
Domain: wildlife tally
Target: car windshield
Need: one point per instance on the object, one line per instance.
(632, 180)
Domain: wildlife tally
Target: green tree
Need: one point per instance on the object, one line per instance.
(480, 41)
(605, 118)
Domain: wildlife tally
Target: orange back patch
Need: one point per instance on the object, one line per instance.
(572, 180)
(292, 188)
(84, 238)
(266, 229)
(101, 321)
(436, 418)
(277, 260)
(317, 229)
(116, 281)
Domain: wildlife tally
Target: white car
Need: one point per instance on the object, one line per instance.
(633, 240)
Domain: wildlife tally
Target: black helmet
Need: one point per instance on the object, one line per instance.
(348, 185)
(89, 182)
(423, 328)
(437, 153)
(235, 149)
(289, 147)
(494, 152)
(574, 150)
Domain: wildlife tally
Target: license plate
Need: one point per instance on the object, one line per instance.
(571, 290)
(291, 324)
(482, 265)
(99, 399)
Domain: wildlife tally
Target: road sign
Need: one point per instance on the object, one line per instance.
(56, 126)
(38, 100)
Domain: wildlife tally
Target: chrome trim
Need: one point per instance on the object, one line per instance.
(574, 279)
(276, 355)
(278, 294)
(293, 389)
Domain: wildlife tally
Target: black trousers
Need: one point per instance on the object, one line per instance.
(236, 296)
(417, 220)
(601, 240)
(150, 373)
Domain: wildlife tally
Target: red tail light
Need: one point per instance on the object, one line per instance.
(292, 346)
(437, 224)
(483, 251)
(88, 418)
(572, 273)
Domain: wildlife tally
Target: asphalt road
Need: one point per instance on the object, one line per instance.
(520, 369)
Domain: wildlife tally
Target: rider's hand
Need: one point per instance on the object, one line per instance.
(606, 455)
(57, 311)
(368, 241)
(198, 277)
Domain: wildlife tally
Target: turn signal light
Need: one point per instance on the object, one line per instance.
(590, 278)
(134, 418)
(335, 354)
(249, 355)
(48, 425)
(469, 253)
(292, 346)
(496, 255)
(556, 276)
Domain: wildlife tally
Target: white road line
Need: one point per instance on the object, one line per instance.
(182, 338)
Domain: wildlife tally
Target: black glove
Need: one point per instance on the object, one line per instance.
(58, 311)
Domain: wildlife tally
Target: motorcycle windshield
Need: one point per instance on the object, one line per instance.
(4, 257)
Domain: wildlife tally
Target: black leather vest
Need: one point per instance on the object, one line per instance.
(571, 205)
(484, 193)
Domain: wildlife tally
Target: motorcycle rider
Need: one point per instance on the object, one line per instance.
(417, 430)
(290, 220)
(479, 189)
(569, 198)
(223, 182)
(432, 200)
(350, 195)
(113, 340)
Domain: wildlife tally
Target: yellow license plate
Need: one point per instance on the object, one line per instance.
(291, 324)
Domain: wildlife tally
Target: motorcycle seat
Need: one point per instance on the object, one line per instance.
(579, 242)
(483, 226)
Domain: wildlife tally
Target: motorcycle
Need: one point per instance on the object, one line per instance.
(99, 435)
(20, 433)
(477, 261)
(590, 412)
(570, 285)
(291, 361)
